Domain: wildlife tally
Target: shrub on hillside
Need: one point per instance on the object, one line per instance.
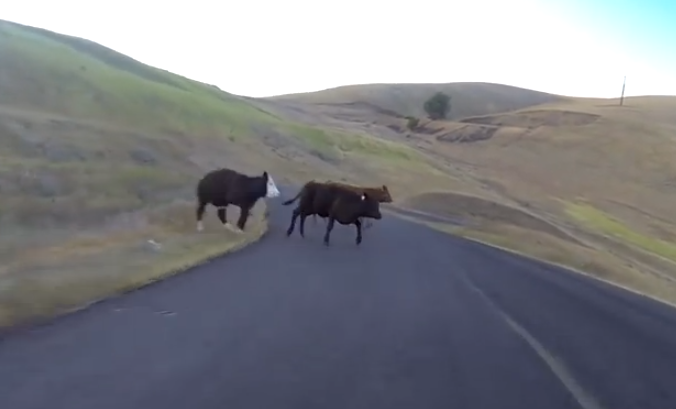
(412, 122)
(438, 106)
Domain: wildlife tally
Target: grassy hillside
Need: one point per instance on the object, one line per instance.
(468, 98)
(99, 156)
(77, 78)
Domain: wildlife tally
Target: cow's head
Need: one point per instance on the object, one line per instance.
(385, 197)
(370, 207)
(270, 187)
(381, 194)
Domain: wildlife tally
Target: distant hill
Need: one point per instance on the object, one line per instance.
(467, 98)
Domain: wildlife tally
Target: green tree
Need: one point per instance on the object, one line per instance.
(438, 106)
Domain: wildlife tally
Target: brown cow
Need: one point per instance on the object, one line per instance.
(334, 202)
(381, 194)
(223, 187)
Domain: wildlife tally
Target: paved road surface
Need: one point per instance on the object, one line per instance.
(412, 319)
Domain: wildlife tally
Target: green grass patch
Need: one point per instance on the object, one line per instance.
(598, 220)
(376, 147)
(313, 137)
(59, 77)
(38, 191)
(339, 142)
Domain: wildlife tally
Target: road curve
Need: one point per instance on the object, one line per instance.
(412, 318)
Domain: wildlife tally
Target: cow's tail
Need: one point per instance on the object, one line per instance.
(288, 202)
(300, 193)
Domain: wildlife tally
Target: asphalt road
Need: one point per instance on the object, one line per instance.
(412, 318)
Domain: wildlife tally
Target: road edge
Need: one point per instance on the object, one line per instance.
(37, 321)
(568, 268)
(533, 258)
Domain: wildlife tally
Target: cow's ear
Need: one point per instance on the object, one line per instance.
(265, 175)
(385, 188)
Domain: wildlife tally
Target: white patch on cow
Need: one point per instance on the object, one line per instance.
(155, 245)
(363, 197)
(200, 226)
(272, 190)
(232, 228)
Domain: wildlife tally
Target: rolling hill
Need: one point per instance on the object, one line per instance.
(468, 98)
(100, 153)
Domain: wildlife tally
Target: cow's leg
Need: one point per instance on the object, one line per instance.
(244, 213)
(223, 217)
(329, 227)
(294, 216)
(358, 224)
(222, 212)
(366, 222)
(201, 207)
(301, 228)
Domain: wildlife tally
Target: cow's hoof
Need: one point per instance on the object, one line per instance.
(232, 228)
(200, 227)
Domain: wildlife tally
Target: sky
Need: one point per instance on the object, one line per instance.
(265, 47)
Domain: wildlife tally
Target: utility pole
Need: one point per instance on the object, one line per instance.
(623, 84)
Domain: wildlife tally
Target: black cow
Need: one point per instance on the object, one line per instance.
(334, 202)
(223, 187)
